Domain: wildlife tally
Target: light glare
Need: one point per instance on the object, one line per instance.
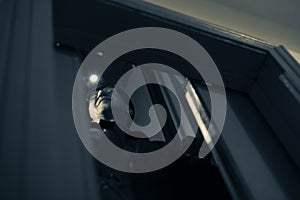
(93, 78)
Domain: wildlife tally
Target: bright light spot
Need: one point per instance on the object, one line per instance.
(200, 122)
(93, 78)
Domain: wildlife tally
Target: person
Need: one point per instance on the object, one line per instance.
(100, 110)
(100, 107)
